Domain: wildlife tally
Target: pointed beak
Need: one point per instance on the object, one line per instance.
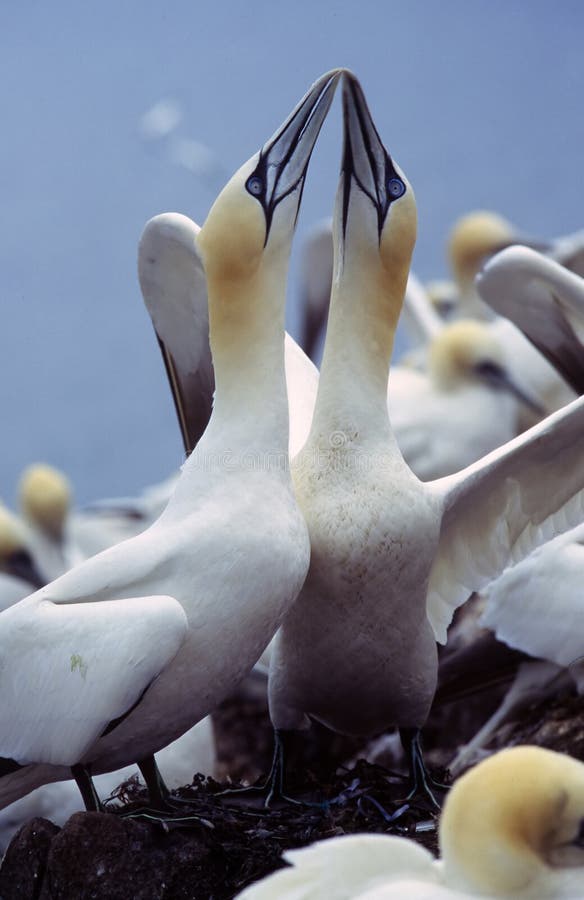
(366, 163)
(498, 378)
(21, 565)
(284, 159)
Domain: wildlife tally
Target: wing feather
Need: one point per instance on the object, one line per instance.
(496, 511)
(67, 670)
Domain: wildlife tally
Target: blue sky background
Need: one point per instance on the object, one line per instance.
(480, 101)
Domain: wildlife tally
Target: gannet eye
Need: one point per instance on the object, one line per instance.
(395, 188)
(255, 185)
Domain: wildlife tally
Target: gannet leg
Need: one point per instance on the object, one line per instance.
(273, 786)
(422, 782)
(86, 788)
(157, 790)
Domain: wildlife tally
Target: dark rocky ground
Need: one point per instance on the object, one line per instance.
(212, 846)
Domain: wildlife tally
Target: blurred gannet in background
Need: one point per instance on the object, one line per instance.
(45, 500)
(99, 669)
(392, 557)
(464, 406)
(544, 300)
(193, 752)
(19, 575)
(536, 607)
(479, 235)
(511, 827)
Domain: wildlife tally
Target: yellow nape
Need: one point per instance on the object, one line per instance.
(45, 498)
(12, 536)
(513, 822)
(458, 349)
(232, 238)
(473, 238)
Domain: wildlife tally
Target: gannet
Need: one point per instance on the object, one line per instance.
(125, 652)
(19, 573)
(536, 607)
(543, 299)
(464, 406)
(511, 827)
(45, 500)
(392, 557)
(479, 235)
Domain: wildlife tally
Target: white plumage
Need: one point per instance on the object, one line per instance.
(231, 545)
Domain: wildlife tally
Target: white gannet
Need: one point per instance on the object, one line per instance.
(476, 238)
(392, 557)
(511, 827)
(191, 753)
(44, 495)
(544, 300)
(536, 607)
(464, 406)
(19, 574)
(98, 673)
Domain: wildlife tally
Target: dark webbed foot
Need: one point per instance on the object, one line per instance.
(273, 786)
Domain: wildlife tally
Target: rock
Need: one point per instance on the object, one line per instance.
(105, 857)
(23, 867)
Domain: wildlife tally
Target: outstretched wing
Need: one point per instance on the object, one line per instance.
(67, 671)
(496, 511)
(174, 287)
(545, 301)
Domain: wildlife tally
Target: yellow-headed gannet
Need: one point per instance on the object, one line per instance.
(392, 557)
(99, 669)
(511, 827)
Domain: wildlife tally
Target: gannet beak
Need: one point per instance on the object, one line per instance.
(283, 160)
(498, 378)
(21, 565)
(366, 163)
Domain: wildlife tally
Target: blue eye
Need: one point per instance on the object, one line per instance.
(395, 188)
(255, 185)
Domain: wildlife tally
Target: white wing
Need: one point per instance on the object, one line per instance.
(67, 671)
(496, 511)
(174, 287)
(414, 889)
(545, 301)
(537, 607)
(341, 867)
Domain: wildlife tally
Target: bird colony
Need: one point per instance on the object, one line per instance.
(333, 523)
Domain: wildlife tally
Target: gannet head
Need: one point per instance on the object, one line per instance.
(473, 239)
(517, 818)
(15, 558)
(45, 498)
(375, 211)
(467, 351)
(254, 216)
